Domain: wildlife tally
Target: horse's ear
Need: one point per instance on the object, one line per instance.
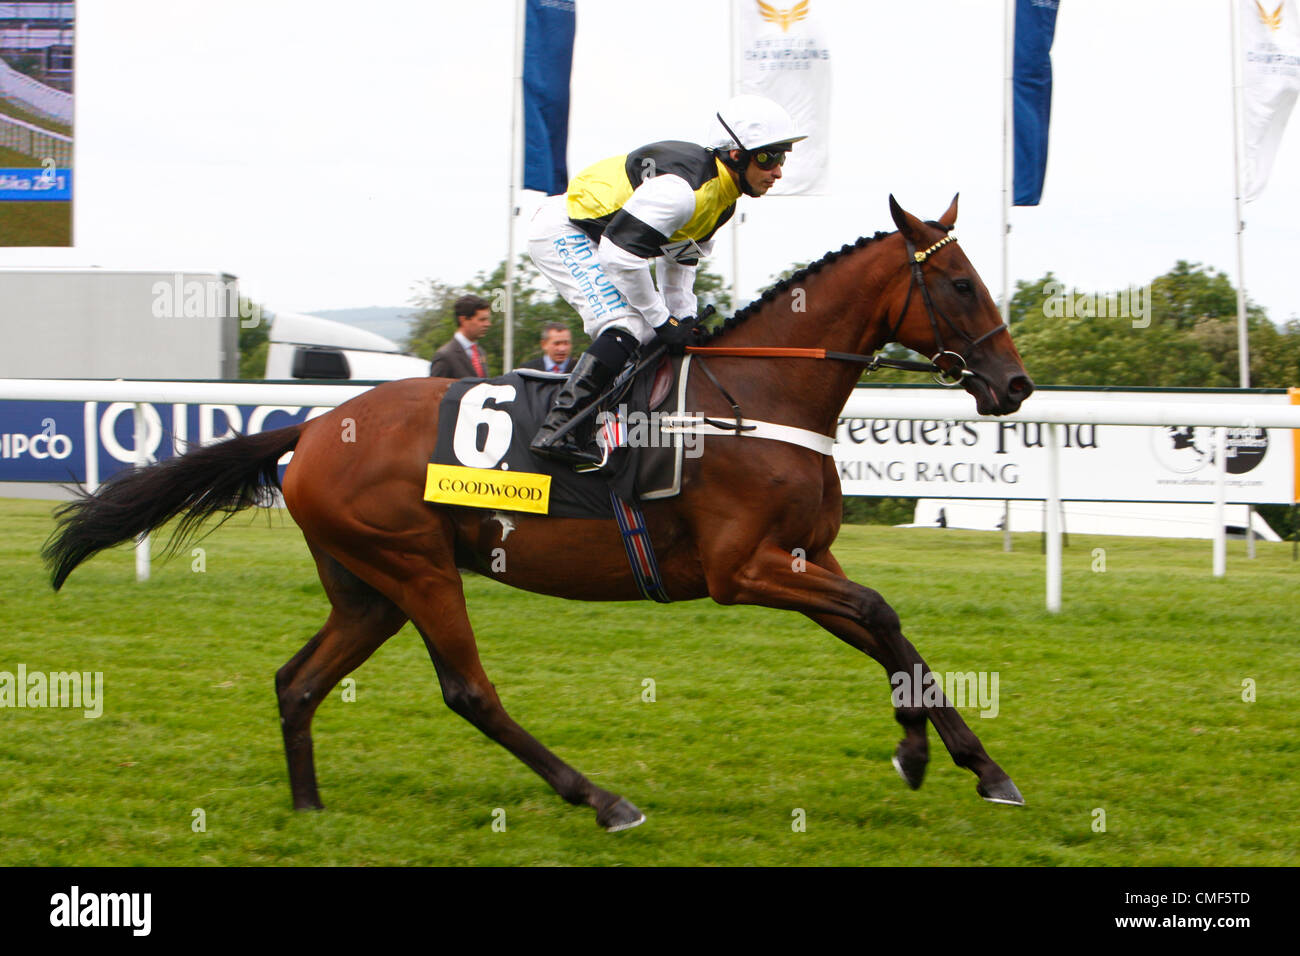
(949, 219)
(907, 224)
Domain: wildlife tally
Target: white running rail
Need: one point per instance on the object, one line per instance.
(948, 406)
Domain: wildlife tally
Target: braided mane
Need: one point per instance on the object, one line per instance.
(784, 284)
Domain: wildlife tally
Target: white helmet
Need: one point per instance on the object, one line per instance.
(756, 120)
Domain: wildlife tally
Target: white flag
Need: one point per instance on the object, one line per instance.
(1270, 39)
(784, 56)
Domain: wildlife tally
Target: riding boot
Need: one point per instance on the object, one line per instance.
(584, 385)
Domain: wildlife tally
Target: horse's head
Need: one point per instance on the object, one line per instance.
(945, 312)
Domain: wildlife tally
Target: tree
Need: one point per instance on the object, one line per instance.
(1180, 331)
(712, 289)
(1188, 294)
(254, 341)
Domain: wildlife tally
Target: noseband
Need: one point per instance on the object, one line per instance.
(958, 370)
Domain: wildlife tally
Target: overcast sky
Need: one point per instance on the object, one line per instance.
(333, 154)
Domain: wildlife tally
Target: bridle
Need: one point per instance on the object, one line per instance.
(955, 373)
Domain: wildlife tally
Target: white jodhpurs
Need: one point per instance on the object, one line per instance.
(568, 257)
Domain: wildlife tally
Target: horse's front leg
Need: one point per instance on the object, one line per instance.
(913, 752)
(861, 617)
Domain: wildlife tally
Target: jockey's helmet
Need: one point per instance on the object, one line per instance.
(760, 128)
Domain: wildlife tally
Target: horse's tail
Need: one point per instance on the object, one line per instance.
(227, 476)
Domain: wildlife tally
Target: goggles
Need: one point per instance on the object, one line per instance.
(766, 159)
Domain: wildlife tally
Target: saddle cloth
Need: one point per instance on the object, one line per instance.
(482, 459)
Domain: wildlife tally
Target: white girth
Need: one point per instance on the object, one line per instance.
(683, 423)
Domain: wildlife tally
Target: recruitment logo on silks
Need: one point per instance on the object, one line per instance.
(488, 488)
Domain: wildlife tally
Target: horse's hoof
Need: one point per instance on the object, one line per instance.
(1004, 791)
(912, 772)
(621, 816)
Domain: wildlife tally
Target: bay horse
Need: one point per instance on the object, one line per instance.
(386, 556)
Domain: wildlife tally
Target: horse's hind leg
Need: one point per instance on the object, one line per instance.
(444, 624)
(360, 620)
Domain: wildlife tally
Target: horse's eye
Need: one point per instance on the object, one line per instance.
(964, 286)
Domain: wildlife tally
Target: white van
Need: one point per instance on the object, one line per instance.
(304, 346)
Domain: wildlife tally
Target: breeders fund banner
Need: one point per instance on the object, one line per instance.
(88, 442)
(991, 459)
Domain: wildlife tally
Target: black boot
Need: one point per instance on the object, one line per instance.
(584, 385)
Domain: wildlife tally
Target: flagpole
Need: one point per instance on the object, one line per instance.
(735, 219)
(514, 175)
(1243, 342)
(1243, 338)
(1008, 48)
(1008, 69)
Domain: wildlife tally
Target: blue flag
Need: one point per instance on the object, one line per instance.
(548, 60)
(1032, 95)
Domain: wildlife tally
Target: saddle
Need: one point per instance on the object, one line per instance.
(482, 459)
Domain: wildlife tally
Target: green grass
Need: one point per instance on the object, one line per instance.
(1130, 701)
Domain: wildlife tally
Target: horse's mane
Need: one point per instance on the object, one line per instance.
(790, 280)
(797, 277)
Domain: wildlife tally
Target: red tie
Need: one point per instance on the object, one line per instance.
(479, 370)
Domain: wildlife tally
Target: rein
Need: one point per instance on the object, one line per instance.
(952, 376)
(872, 362)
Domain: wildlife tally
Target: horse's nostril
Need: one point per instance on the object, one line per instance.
(1020, 386)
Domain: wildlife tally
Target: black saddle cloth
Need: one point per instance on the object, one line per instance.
(525, 396)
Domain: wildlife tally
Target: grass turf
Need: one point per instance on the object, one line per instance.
(1129, 702)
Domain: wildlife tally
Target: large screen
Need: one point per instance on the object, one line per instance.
(36, 97)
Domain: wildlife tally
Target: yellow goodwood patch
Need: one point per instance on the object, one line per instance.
(488, 488)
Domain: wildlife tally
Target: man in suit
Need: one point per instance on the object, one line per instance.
(557, 342)
(462, 357)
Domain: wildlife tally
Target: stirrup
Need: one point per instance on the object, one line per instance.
(588, 467)
(567, 451)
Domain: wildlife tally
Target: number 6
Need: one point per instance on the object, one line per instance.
(500, 428)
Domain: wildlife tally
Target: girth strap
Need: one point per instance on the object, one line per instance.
(640, 552)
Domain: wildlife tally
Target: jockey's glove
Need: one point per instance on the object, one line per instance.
(676, 334)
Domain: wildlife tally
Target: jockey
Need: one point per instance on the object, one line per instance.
(663, 201)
